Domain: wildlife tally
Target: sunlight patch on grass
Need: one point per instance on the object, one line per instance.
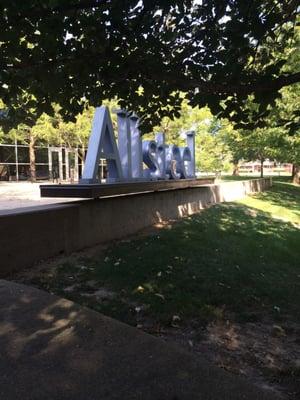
(282, 202)
(277, 212)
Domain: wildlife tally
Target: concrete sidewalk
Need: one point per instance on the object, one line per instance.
(16, 195)
(51, 348)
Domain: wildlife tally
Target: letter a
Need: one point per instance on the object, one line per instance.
(102, 144)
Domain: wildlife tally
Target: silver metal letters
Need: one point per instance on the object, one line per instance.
(133, 159)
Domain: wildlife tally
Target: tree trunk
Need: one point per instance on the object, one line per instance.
(262, 168)
(235, 171)
(32, 168)
(296, 174)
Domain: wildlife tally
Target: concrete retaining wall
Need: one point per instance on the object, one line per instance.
(33, 234)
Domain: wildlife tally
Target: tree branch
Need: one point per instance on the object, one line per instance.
(230, 89)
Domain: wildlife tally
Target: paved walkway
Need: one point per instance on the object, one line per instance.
(51, 348)
(14, 195)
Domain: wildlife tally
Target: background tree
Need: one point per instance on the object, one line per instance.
(287, 115)
(290, 152)
(259, 144)
(41, 132)
(187, 118)
(212, 153)
(53, 130)
(278, 135)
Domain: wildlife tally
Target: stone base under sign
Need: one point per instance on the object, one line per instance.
(37, 233)
(92, 191)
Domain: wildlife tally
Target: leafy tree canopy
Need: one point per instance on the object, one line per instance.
(143, 52)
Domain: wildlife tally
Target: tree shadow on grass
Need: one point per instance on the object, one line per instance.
(230, 257)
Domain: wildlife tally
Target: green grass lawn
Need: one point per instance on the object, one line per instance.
(282, 202)
(239, 259)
